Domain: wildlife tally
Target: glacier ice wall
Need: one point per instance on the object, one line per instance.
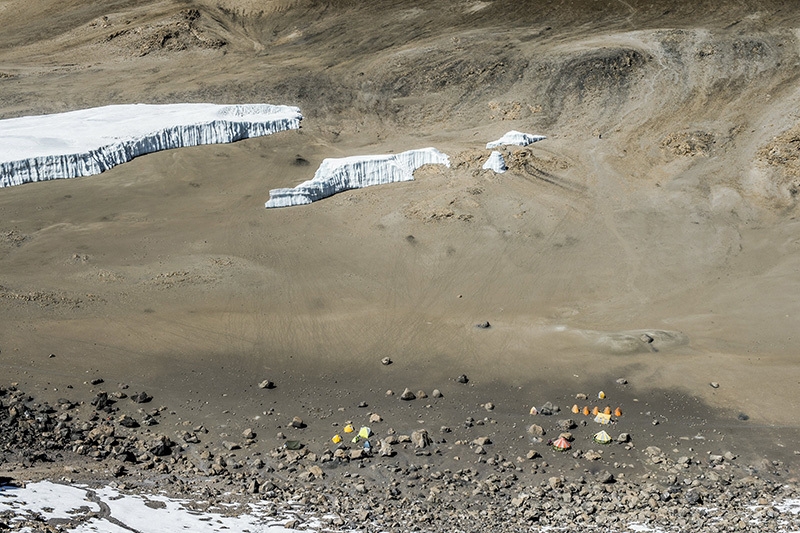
(515, 138)
(90, 141)
(495, 163)
(341, 174)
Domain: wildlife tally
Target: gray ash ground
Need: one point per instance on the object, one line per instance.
(483, 473)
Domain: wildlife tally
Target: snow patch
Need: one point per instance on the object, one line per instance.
(50, 500)
(335, 175)
(125, 513)
(495, 163)
(90, 141)
(515, 138)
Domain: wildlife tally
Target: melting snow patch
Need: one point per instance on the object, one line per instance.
(496, 163)
(108, 511)
(515, 138)
(90, 141)
(49, 500)
(337, 175)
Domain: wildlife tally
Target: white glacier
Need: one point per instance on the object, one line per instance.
(515, 138)
(90, 141)
(495, 163)
(335, 175)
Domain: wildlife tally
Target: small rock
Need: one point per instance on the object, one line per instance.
(605, 477)
(436, 393)
(549, 409)
(249, 434)
(462, 378)
(266, 384)
(316, 471)
(693, 497)
(555, 482)
(297, 423)
(482, 441)
(374, 418)
(714, 385)
(363, 404)
(386, 361)
(536, 430)
(592, 455)
(644, 337)
(386, 449)
(489, 406)
(127, 421)
(532, 454)
(230, 446)
(483, 325)
(566, 424)
(421, 439)
(742, 416)
(624, 437)
(141, 397)
(622, 381)
(161, 447)
(95, 381)
(100, 433)
(408, 395)
(357, 454)
(421, 394)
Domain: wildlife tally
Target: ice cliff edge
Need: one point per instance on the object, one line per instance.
(341, 174)
(90, 141)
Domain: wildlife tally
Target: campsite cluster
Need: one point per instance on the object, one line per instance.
(414, 481)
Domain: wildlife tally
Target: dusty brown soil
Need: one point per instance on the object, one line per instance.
(664, 201)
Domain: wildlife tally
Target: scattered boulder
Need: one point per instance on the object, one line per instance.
(141, 397)
(408, 395)
(266, 384)
(549, 409)
(386, 449)
(127, 421)
(421, 439)
(462, 378)
(605, 477)
(536, 430)
(567, 424)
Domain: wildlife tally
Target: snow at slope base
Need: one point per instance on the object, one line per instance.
(495, 163)
(90, 141)
(355, 172)
(515, 138)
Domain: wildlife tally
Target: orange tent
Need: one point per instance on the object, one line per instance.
(561, 444)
